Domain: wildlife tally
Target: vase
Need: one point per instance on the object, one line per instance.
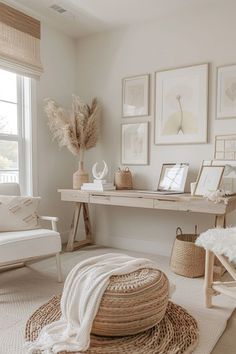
(80, 176)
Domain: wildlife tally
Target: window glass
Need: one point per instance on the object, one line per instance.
(8, 118)
(8, 86)
(8, 155)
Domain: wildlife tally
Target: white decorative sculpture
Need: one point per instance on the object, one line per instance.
(99, 183)
(101, 174)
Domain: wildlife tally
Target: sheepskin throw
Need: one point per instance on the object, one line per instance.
(219, 241)
(81, 297)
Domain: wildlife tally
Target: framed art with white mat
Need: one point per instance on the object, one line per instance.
(226, 92)
(228, 183)
(225, 147)
(134, 144)
(209, 179)
(135, 96)
(181, 105)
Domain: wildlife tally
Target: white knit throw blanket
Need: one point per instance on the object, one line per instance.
(82, 293)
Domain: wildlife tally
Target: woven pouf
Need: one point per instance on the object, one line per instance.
(132, 303)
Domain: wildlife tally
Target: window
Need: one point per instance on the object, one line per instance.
(15, 127)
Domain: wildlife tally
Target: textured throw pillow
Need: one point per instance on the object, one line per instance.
(18, 213)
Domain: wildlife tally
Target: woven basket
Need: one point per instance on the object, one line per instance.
(123, 179)
(187, 259)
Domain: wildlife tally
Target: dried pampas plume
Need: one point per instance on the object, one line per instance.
(78, 129)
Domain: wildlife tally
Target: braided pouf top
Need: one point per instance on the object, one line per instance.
(177, 333)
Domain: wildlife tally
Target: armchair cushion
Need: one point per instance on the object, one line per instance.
(19, 245)
(18, 213)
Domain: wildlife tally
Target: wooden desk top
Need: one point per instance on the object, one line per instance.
(133, 198)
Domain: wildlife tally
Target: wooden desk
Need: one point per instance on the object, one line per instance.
(135, 199)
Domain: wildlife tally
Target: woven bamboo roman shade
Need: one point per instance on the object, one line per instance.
(19, 42)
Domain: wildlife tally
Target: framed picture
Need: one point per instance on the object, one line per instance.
(134, 144)
(173, 177)
(181, 105)
(225, 147)
(226, 92)
(228, 183)
(135, 96)
(209, 179)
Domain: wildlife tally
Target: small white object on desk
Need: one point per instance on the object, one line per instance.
(99, 187)
(192, 187)
(99, 183)
(217, 196)
(101, 174)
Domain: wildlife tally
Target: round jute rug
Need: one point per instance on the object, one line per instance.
(177, 333)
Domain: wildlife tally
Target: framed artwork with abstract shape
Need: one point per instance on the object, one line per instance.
(134, 144)
(226, 92)
(135, 96)
(181, 105)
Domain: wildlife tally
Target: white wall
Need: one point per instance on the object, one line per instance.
(55, 167)
(206, 35)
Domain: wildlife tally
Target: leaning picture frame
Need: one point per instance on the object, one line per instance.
(173, 177)
(134, 143)
(228, 183)
(135, 96)
(209, 179)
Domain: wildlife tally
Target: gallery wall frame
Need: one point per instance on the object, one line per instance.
(226, 91)
(135, 143)
(173, 109)
(225, 147)
(136, 90)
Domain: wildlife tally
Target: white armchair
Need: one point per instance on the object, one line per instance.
(22, 246)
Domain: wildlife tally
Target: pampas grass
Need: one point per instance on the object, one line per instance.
(77, 130)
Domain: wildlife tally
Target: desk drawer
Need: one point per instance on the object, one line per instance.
(121, 201)
(75, 196)
(194, 205)
(163, 204)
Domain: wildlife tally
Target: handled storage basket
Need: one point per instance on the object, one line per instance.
(123, 179)
(187, 259)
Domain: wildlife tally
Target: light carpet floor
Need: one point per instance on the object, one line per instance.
(23, 290)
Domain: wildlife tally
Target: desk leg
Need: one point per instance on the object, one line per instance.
(220, 221)
(72, 244)
(74, 228)
(87, 224)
